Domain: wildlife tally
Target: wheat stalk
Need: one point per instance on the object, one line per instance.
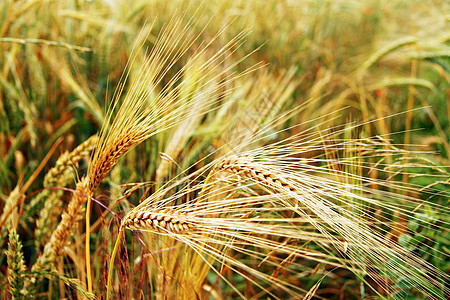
(44, 42)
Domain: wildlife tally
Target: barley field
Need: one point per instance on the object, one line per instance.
(278, 149)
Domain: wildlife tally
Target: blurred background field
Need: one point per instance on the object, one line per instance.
(353, 61)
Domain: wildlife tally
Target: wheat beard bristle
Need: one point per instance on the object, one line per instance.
(161, 220)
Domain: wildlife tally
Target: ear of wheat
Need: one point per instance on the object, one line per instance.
(69, 220)
(161, 220)
(251, 188)
(228, 217)
(59, 176)
(360, 241)
(16, 265)
(131, 121)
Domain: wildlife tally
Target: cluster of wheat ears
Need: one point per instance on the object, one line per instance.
(256, 206)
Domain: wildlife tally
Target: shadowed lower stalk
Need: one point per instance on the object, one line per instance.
(111, 262)
(88, 244)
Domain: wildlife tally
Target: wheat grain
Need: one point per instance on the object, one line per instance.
(162, 220)
(48, 218)
(69, 221)
(59, 175)
(9, 204)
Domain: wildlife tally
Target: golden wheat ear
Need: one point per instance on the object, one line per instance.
(69, 221)
(161, 220)
(145, 109)
(16, 265)
(275, 198)
(316, 197)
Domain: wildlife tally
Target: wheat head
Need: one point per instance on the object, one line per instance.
(162, 220)
(55, 247)
(310, 196)
(16, 265)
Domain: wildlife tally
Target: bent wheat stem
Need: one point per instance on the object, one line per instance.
(111, 262)
(88, 244)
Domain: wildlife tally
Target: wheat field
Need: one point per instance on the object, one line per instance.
(291, 149)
